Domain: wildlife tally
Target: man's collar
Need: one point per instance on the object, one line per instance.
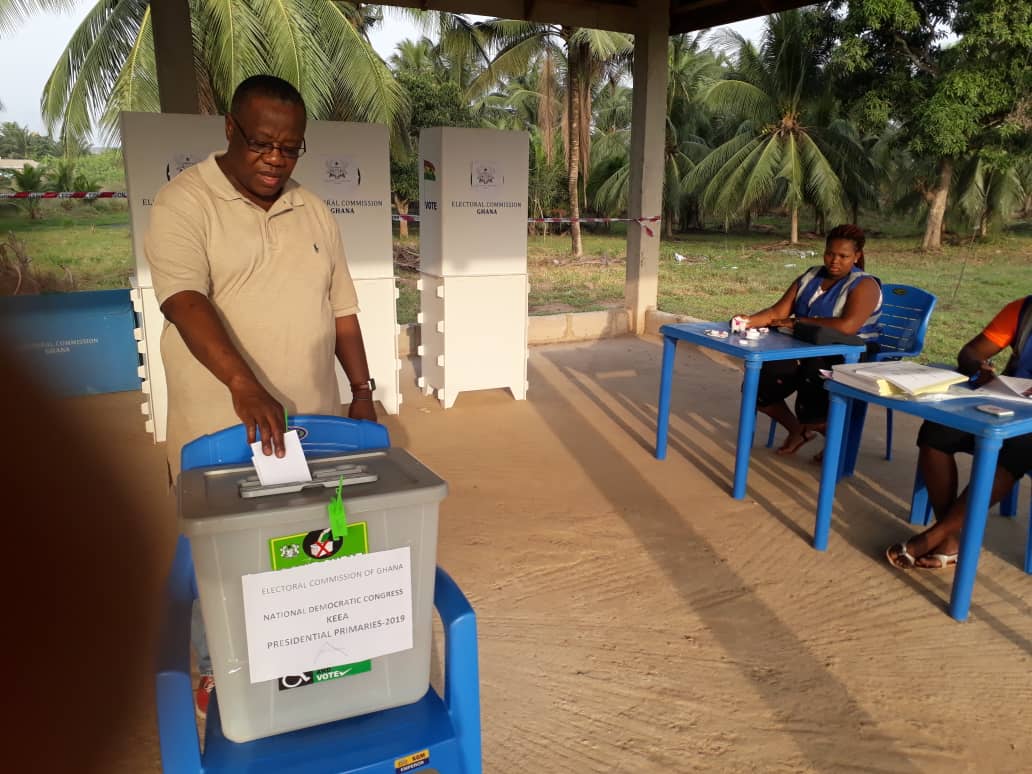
(291, 194)
(216, 179)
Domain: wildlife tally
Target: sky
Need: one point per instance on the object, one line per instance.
(28, 56)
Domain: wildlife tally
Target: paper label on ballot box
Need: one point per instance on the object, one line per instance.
(319, 546)
(326, 613)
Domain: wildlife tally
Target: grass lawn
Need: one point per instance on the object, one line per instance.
(720, 274)
(972, 281)
(90, 241)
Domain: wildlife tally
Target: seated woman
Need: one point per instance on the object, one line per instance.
(936, 548)
(838, 295)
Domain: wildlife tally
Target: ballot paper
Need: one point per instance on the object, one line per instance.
(288, 469)
(1010, 388)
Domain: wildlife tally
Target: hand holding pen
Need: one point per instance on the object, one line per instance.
(985, 374)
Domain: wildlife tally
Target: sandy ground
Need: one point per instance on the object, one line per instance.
(634, 618)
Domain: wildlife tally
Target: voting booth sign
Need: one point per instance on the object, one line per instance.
(347, 165)
(473, 202)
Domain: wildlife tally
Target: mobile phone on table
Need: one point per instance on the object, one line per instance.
(996, 411)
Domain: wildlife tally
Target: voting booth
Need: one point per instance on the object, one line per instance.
(305, 627)
(473, 261)
(347, 165)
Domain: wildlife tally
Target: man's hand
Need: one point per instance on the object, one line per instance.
(784, 322)
(362, 407)
(260, 413)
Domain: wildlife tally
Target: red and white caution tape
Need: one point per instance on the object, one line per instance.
(64, 195)
(643, 222)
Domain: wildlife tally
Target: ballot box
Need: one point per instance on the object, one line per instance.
(307, 627)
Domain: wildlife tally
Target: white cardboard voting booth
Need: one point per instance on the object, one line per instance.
(346, 165)
(152, 373)
(473, 261)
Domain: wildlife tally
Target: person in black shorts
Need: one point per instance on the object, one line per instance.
(936, 548)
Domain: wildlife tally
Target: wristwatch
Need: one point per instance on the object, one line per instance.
(369, 385)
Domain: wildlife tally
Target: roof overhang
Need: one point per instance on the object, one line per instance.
(618, 15)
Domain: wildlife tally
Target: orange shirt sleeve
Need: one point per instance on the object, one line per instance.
(1002, 328)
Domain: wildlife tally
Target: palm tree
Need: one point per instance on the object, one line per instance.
(777, 155)
(989, 191)
(417, 56)
(610, 150)
(63, 175)
(854, 159)
(15, 139)
(30, 179)
(460, 53)
(318, 45)
(689, 132)
(14, 12)
(425, 72)
(588, 56)
(529, 102)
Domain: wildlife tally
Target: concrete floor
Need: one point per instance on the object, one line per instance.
(634, 618)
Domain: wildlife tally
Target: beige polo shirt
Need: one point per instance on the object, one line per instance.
(278, 279)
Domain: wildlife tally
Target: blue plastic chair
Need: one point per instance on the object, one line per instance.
(904, 320)
(1009, 507)
(447, 729)
(921, 511)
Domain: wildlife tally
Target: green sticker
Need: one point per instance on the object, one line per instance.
(318, 545)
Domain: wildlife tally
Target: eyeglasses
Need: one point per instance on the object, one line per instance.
(265, 148)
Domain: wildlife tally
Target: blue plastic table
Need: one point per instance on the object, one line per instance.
(990, 433)
(773, 346)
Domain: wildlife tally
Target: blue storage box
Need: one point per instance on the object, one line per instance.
(74, 343)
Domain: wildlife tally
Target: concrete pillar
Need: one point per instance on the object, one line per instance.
(173, 56)
(648, 136)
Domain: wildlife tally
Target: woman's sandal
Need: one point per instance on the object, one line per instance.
(899, 557)
(942, 561)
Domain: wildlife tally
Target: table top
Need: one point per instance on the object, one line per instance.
(959, 413)
(770, 346)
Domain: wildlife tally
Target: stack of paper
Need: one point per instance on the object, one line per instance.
(896, 378)
(846, 373)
